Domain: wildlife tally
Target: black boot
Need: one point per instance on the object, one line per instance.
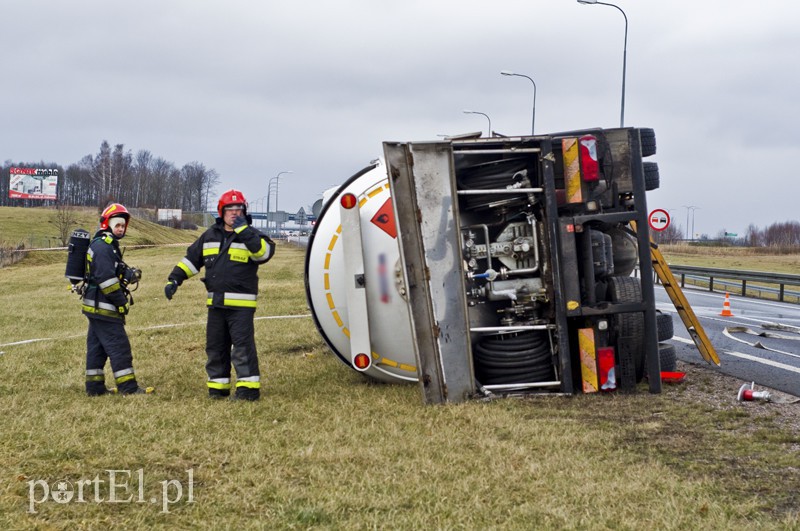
(96, 389)
(131, 388)
(218, 394)
(246, 393)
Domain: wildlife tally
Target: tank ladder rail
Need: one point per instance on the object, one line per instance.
(684, 309)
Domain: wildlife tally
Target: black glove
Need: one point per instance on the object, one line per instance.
(124, 309)
(240, 221)
(170, 289)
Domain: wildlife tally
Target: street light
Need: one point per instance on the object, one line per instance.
(624, 54)
(533, 118)
(688, 209)
(277, 181)
(257, 202)
(467, 111)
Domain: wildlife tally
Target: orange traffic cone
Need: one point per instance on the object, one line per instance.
(726, 307)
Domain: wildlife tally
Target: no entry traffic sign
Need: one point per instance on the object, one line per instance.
(658, 219)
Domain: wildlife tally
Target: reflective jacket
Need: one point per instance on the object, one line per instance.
(231, 260)
(105, 297)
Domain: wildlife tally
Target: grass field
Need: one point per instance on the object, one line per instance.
(326, 449)
(742, 258)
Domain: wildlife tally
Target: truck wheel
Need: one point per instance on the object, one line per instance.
(625, 250)
(630, 331)
(668, 357)
(652, 180)
(647, 137)
(664, 326)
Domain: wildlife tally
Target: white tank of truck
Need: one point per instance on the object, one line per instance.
(329, 275)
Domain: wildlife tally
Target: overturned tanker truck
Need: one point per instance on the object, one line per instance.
(489, 266)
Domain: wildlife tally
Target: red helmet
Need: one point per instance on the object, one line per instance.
(231, 197)
(114, 210)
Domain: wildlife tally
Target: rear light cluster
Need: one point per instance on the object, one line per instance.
(590, 169)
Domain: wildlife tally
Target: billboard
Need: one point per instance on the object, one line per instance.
(33, 183)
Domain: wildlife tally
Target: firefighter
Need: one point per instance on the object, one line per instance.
(231, 250)
(106, 303)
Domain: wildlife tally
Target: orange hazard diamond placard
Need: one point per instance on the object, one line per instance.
(384, 219)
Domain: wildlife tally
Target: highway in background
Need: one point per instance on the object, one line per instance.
(760, 343)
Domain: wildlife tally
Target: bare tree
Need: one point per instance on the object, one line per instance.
(672, 234)
(101, 173)
(64, 220)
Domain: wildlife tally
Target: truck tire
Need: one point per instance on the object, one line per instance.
(647, 137)
(625, 250)
(668, 357)
(652, 180)
(629, 331)
(664, 326)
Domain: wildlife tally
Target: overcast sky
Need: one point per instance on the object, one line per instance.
(253, 88)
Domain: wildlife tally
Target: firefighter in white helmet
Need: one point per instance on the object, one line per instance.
(105, 303)
(231, 250)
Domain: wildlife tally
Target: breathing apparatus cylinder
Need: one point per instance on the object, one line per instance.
(76, 256)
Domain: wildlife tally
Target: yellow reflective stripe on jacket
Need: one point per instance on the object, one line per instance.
(211, 248)
(187, 267)
(262, 253)
(103, 308)
(238, 252)
(109, 286)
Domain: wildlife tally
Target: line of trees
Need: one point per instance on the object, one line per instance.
(785, 234)
(117, 175)
(780, 234)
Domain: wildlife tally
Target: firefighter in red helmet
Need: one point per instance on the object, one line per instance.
(105, 303)
(231, 250)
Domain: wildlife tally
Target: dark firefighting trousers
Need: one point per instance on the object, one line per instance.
(230, 338)
(108, 340)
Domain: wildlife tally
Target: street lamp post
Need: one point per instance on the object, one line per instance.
(690, 208)
(533, 117)
(277, 181)
(259, 204)
(624, 55)
(467, 111)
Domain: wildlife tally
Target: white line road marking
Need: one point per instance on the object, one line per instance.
(765, 362)
(747, 357)
(155, 327)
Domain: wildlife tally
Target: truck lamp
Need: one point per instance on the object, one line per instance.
(361, 362)
(590, 170)
(348, 201)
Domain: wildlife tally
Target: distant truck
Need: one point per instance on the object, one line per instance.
(480, 266)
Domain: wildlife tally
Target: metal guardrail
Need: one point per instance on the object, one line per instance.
(742, 278)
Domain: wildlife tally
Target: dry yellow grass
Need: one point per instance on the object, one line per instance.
(326, 449)
(743, 258)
